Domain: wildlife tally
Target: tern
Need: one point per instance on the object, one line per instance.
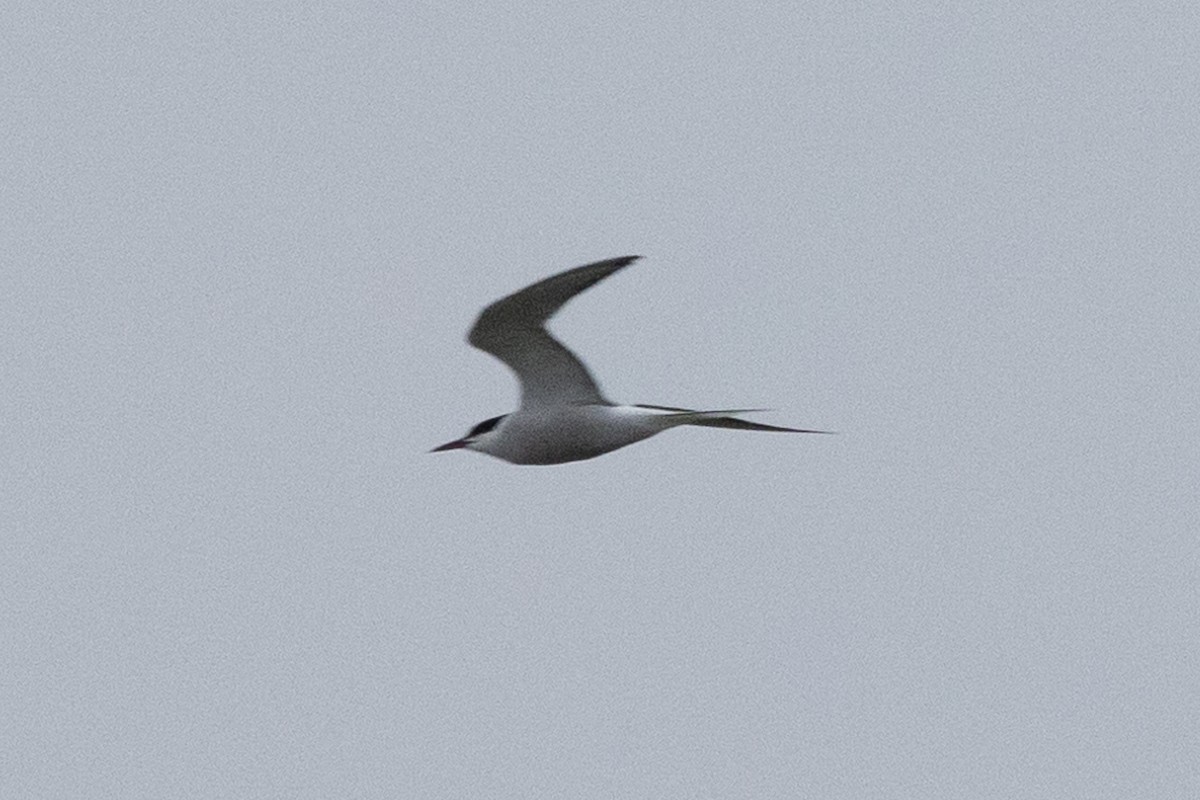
(563, 416)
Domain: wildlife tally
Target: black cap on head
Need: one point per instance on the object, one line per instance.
(485, 426)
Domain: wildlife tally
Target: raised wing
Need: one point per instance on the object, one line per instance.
(513, 330)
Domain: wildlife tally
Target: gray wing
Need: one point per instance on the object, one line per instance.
(513, 330)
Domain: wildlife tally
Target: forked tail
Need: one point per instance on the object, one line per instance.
(724, 418)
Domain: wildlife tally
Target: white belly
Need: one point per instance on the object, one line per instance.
(572, 433)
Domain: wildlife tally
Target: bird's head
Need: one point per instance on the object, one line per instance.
(474, 438)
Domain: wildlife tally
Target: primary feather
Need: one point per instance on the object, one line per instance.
(513, 330)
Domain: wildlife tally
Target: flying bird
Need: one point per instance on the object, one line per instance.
(563, 416)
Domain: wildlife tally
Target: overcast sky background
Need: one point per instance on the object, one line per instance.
(242, 245)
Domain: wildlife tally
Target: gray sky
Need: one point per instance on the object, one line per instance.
(241, 249)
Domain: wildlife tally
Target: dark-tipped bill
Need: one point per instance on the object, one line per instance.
(455, 445)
